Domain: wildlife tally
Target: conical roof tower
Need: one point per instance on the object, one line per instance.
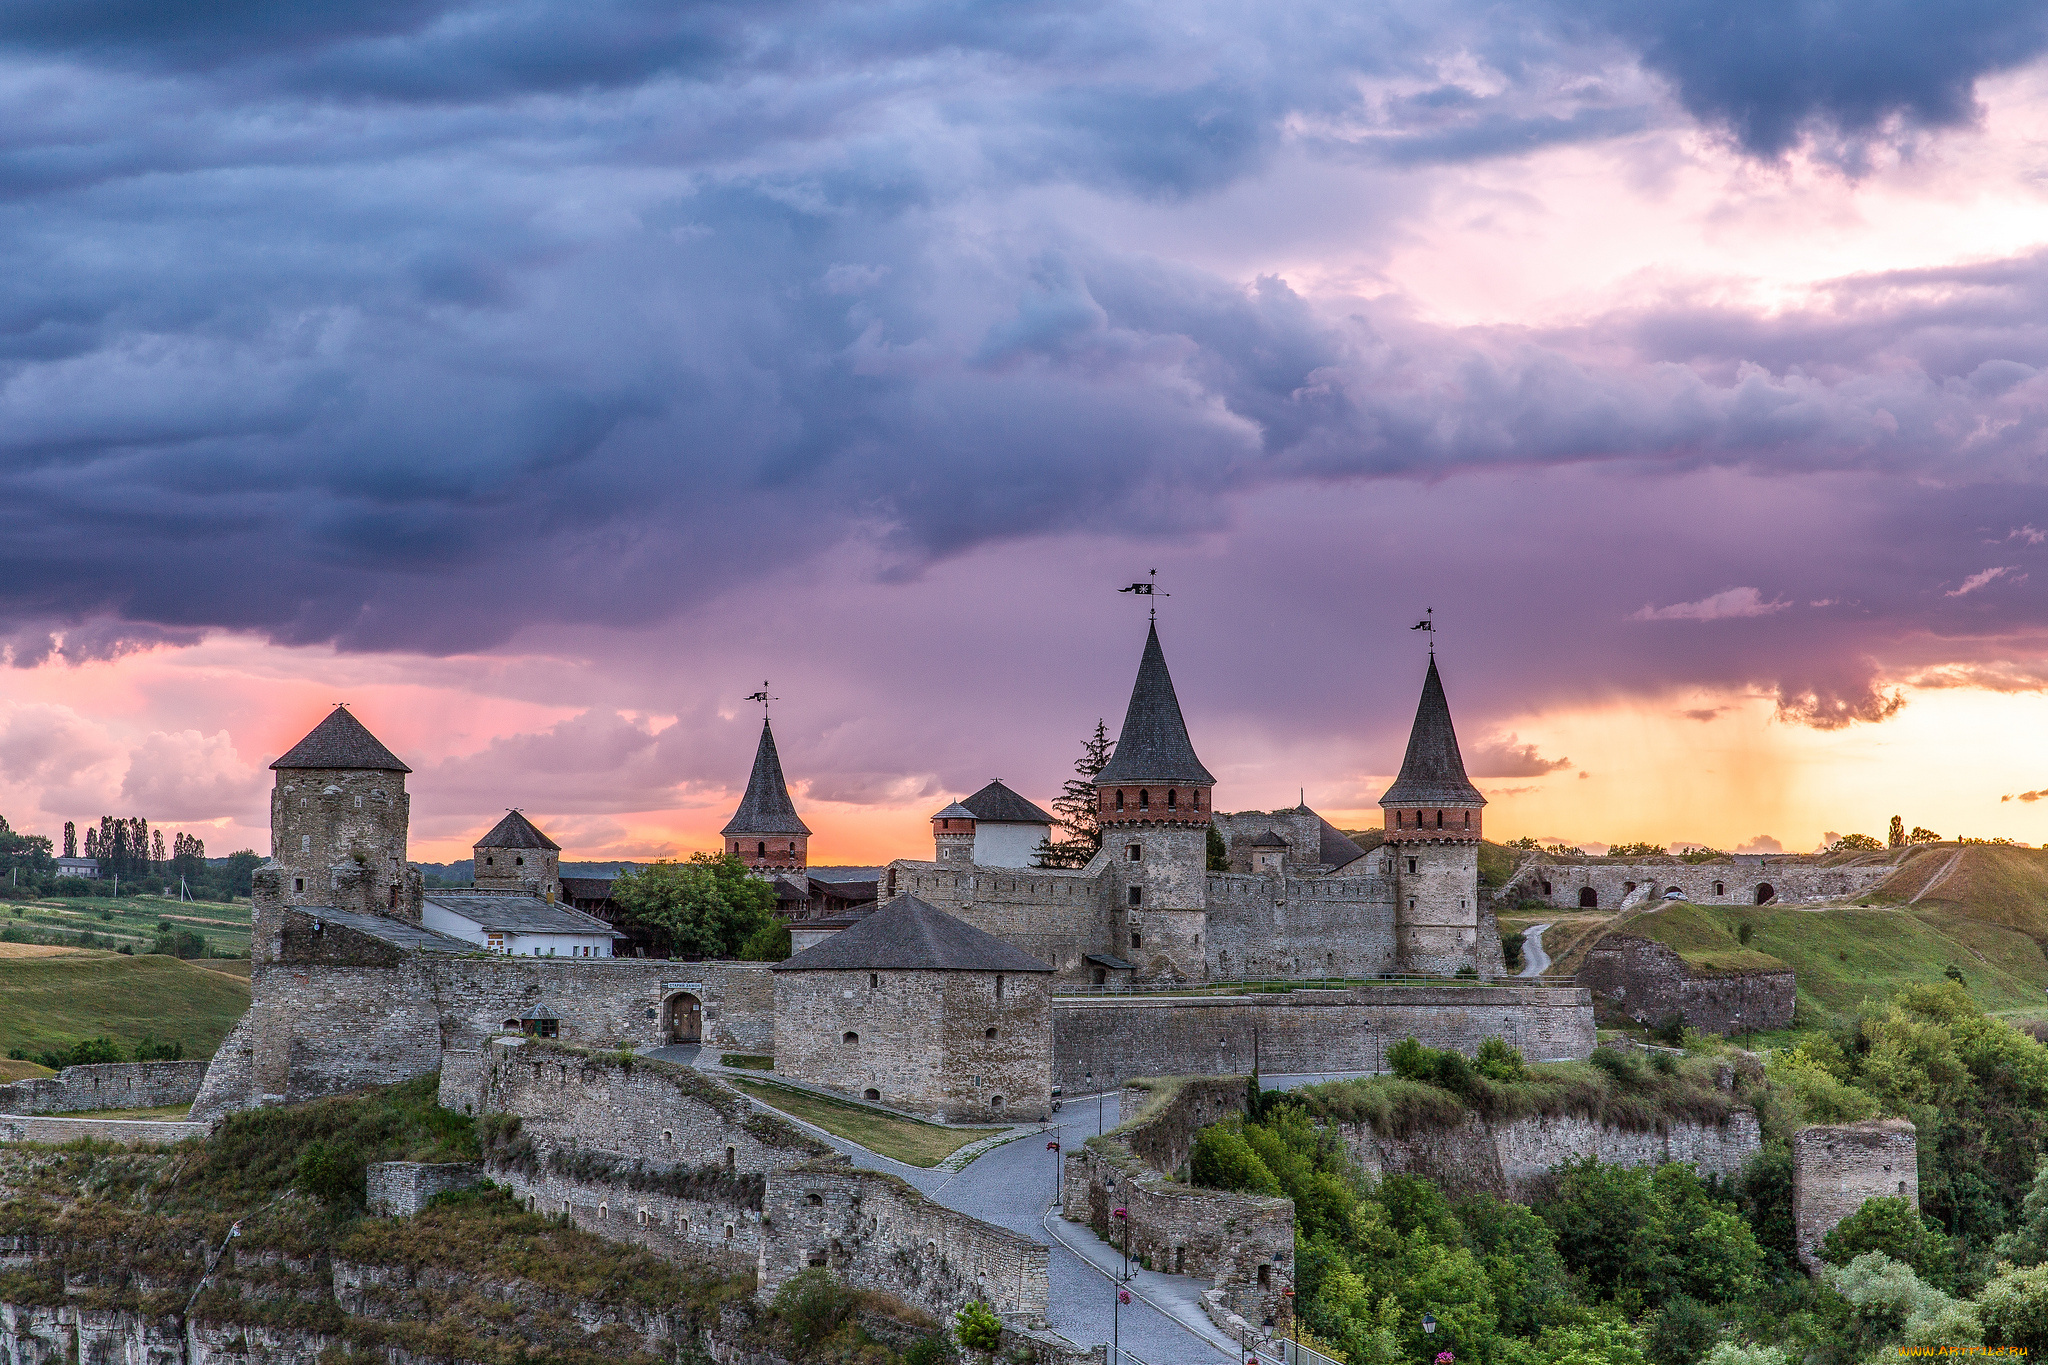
(1433, 772)
(1153, 747)
(765, 832)
(341, 743)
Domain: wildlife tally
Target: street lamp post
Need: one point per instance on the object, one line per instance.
(1054, 1148)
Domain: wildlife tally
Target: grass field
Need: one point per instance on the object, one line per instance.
(48, 1002)
(133, 920)
(906, 1140)
(1843, 956)
(11, 1070)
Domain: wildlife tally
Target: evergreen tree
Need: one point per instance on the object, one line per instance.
(70, 839)
(1077, 806)
(156, 847)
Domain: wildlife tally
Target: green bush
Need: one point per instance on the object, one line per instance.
(812, 1305)
(150, 1050)
(333, 1173)
(1682, 1333)
(183, 943)
(931, 1350)
(1223, 1160)
(1497, 1061)
(1892, 1227)
(977, 1327)
(769, 943)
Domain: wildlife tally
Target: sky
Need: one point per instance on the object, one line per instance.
(538, 379)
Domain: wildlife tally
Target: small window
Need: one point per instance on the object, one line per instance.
(850, 1037)
(1144, 798)
(1194, 800)
(305, 843)
(1119, 798)
(1135, 852)
(490, 862)
(519, 862)
(1411, 865)
(298, 883)
(989, 1034)
(1265, 1276)
(1439, 819)
(604, 1210)
(1468, 819)
(1719, 889)
(995, 1102)
(643, 1218)
(871, 1094)
(1172, 799)
(874, 981)
(732, 1158)
(1134, 938)
(1137, 895)
(792, 845)
(816, 1201)
(668, 1135)
(760, 848)
(999, 986)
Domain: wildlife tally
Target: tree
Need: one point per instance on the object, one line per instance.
(2014, 1309)
(1855, 843)
(1923, 835)
(156, 847)
(1892, 1227)
(769, 943)
(70, 839)
(709, 906)
(1896, 837)
(241, 868)
(1635, 851)
(27, 854)
(1219, 852)
(1079, 807)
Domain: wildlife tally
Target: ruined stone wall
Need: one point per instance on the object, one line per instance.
(1836, 1168)
(1158, 1118)
(105, 1085)
(70, 1128)
(960, 1046)
(669, 1117)
(1652, 982)
(1301, 926)
(1793, 878)
(1115, 1038)
(874, 1231)
(1511, 1160)
(400, 1189)
(726, 1232)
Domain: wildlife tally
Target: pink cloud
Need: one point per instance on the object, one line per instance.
(1729, 604)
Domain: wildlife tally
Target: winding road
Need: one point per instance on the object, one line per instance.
(1535, 961)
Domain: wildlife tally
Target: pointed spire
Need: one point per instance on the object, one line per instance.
(766, 808)
(341, 742)
(1433, 773)
(1153, 746)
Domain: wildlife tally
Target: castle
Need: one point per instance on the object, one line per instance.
(970, 962)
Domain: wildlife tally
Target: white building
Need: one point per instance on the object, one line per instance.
(78, 867)
(1007, 828)
(516, 923)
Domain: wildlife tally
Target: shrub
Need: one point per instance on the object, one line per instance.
(333, 1173)
(1744, 932)
(2014, 1308)
(931, 1350)
(812, 1305)
(977, 1327)
(1223, 1160)
(1892, 1227)
(183, 943)
(769, 943)
(1682, 1332)
(1511, 948)
(1497, 1061)
(1623, 1068)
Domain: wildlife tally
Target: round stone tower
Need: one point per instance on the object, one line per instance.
(1433, 825)
(1153, 798)
(338, 823)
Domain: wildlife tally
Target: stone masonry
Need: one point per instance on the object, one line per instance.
(1836, 1168)
(1741, 879)
(400, 1189)
(1099, 1041)
(105, 1085)
(1652, 983)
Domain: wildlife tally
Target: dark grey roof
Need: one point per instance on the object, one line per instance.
(587, 888)
(998, 805)
(1336, 850)
(1153, 746)
(908, 934)
(395, 932)
(1269, 840)
(516, 831)
(1433, 773)
(955, 811)
(1114, 963)
(766, 808)
(787, 890)
(843, 874)
(341, 741)
(517, 914)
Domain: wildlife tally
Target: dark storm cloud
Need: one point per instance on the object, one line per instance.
(1773, 71)
(405, 325)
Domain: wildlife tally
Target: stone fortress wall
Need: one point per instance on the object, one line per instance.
(105, 1085)
(1836, 1168)
(1651, 982)
(1737, 880)
(1108, 1040)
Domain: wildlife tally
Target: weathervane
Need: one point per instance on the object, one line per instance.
(1428, 623)
(762, 697)
(1148, 588)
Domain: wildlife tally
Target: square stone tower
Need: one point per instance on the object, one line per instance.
(516, 856)
(1835, 1168)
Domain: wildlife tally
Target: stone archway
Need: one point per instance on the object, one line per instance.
(682, 1018)
(1589, 899)
(1765, 893)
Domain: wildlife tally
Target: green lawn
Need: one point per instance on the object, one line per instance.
(1844, 956)
(905, 1140)
(133, 920)
(50, 1002)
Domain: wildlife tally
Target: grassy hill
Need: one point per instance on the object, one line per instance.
(1841, 956)
(55, 1001)
(131, 920)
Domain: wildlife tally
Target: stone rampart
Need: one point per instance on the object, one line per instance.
(400, 1189)
(724, 1228)
(105, 1085)
(1652, 983)
(1836, 1168)
(1301, 926)
(1238, 1242)
(127, 1132)
(1511, 1159)
(874, 1231)
(1101, 1041)
(1744, 879)
(1159, 1117)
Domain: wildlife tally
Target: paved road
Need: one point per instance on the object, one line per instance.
(1534, 960)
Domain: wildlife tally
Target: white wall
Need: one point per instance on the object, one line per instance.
(446, 921)
(1007, 845)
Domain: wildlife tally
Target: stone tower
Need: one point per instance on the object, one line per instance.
(765, 833)
(1153, 796)
(338, 819)
(1433, 831)
(953, 835)
(515, 855)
